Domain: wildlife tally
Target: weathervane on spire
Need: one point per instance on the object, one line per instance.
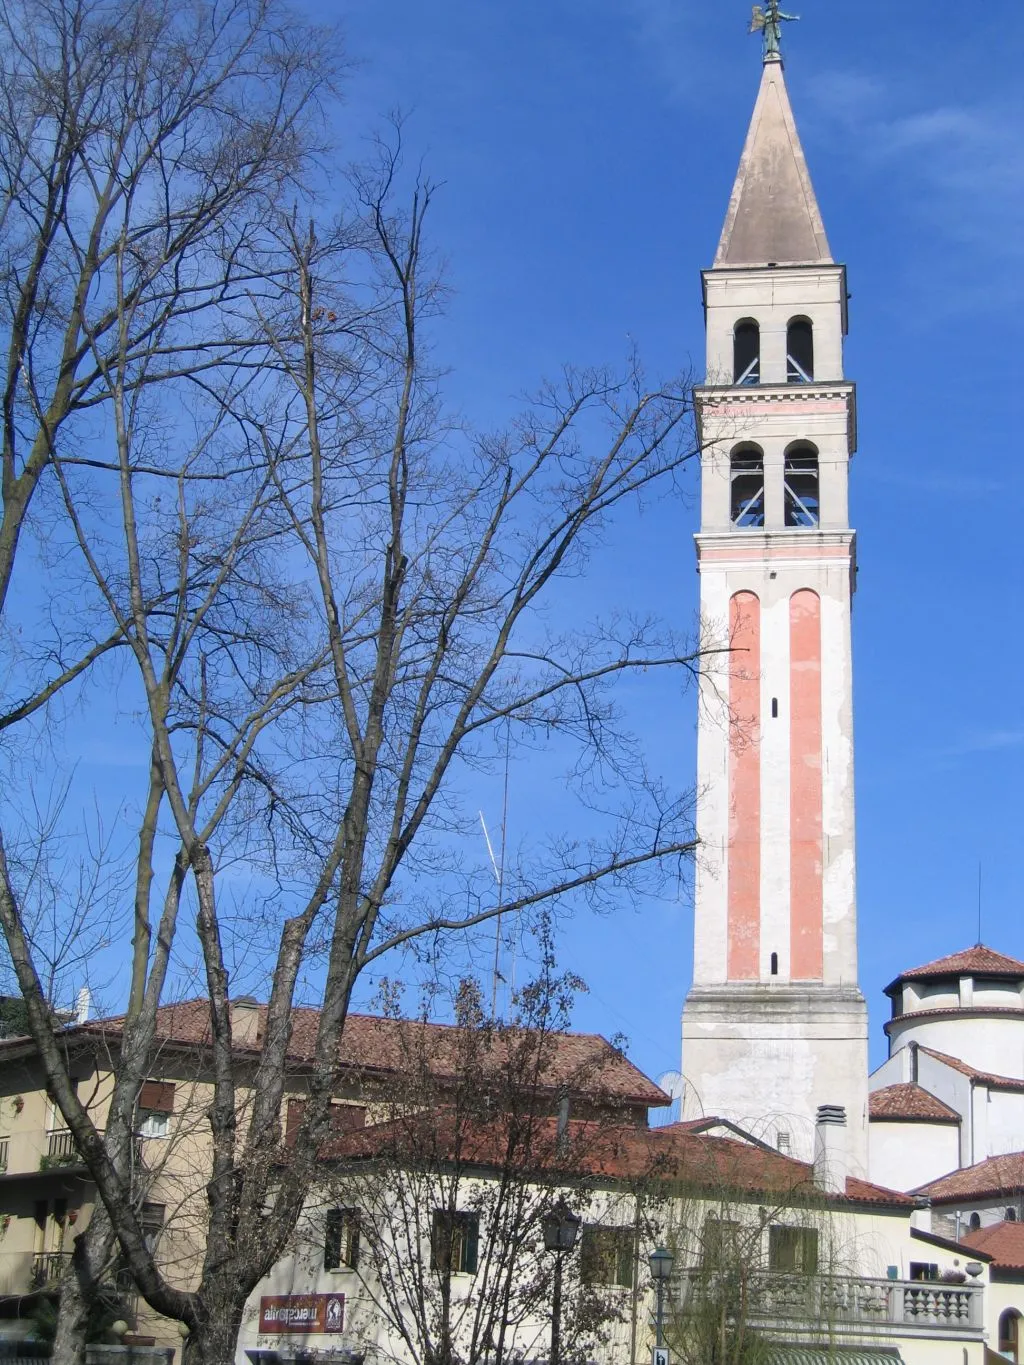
(768, 19)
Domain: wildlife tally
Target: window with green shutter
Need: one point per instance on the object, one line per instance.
(454, 1242)
(606, 1255)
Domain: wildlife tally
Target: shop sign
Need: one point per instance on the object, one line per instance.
(281, 1313)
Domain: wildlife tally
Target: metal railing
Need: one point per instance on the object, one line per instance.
(60, 1145)
(843, 1301)
(62, 1150)
(49, 1267)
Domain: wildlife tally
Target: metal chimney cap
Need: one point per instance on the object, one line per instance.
(832, 1114)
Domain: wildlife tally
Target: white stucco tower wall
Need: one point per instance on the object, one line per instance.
(775, 1024)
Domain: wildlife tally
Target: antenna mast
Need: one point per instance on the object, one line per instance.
(498, 866)
(979, 902)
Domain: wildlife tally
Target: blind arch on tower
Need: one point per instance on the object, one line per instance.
(800, 351)
(744, 851)
(806, 793)
(746, 352)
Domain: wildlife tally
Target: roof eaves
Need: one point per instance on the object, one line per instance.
(948, 1244)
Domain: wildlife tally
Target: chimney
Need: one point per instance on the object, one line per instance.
(83, 1004)
(831, 1160)
(245, 1020)
(562, 1133)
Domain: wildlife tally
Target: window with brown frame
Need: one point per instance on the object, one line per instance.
(341, 1239)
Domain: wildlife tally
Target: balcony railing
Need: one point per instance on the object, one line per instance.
(842, 1301)
(48, 1268)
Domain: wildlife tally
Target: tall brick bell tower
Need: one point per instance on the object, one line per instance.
(775, 1025)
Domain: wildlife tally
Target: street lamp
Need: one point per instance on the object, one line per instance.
(660, 1261)
(561, 1227)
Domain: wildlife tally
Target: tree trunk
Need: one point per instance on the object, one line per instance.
(79, 1286)
(215, 1340)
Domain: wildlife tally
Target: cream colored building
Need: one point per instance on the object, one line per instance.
(833, 1267)
(46, 1195)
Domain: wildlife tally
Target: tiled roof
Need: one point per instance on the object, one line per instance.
(988, 1078)
(584, 1062)
(976, 961)
(909, 1103)
(601, 1151)
(1004, 1242)
(996, 1176)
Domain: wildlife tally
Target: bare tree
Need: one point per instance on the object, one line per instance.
(760, 1252)
(330, 597)
(439, 1206)
(142, 147)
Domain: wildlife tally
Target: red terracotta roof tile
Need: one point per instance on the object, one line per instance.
(988, 1078)
(909, 1103)
(371, 1044)
(672, 1153)
(979, 960)
(993, 1177)
(1004, 1242)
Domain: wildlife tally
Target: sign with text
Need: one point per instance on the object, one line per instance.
(281, 1313)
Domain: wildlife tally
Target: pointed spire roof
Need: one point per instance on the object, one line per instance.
(773, 216)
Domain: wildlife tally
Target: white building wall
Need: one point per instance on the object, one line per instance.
(1005, 1121)
(906, 1155)
(988, 1042)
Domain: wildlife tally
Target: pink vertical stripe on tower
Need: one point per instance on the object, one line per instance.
(805, 787)
(744, 866)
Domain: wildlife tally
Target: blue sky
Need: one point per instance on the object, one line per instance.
(586, 149)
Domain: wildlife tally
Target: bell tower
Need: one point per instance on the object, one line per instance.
(775, 1025)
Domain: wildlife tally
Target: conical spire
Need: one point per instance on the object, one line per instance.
(773, 216)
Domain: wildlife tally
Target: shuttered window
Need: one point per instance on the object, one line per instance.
(345, 1118)
(157, 1097)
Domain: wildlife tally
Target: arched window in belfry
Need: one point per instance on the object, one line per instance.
(1009, 1334)
(800, 351)
(803, 508)
(746, 476)
(746, 352)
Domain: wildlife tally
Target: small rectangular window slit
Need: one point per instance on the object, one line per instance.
(775, 708)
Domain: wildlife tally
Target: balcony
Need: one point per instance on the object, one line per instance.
(60, 1149)
(846, 1304)
(48, 1268)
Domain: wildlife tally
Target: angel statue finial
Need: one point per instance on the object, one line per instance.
(768, 19)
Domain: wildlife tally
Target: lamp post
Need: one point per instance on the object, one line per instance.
(561, 1227)
(660, 1261)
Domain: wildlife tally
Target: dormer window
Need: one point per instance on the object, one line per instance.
(746, 352)
(747, 487)
(800, 352)
(801, 487)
